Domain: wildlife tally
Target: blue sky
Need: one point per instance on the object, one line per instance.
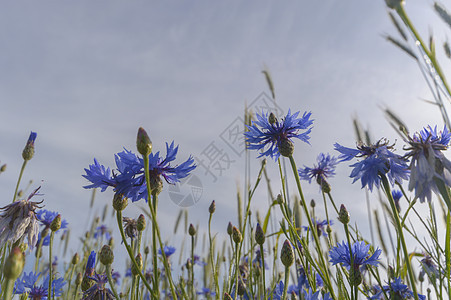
(86, 74)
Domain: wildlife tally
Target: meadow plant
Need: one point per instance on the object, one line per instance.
(285, 250)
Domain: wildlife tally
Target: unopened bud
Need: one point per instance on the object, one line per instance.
(286, 147)
(212, 207)
(236, 235)
(147, 250)
(141, 223)
(325, 186)
(106, 255)
(227, 296)
(75, 259)
(191, 230)
(3, 168)
(279, 199)
(394, 4)
(14, 264)
(287, 254)
(111, 242)
(139, 262)
(78, 279)
(119, 202)
(28, 151)
(259, 235)
(272, 118)
(312, 203)
(56, 223)
(343, 215)
(143, 142)
(229, 228)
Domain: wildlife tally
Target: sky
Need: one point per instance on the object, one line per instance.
(85, 75)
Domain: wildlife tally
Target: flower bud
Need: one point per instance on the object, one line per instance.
(106, 255)
(236, 235)
(259, 235)
(139, 262)
(191, 230)
(143, 142)
(227, 296)
(312, 203)
(141, 223)
(293, 296)
(111, 242)
(78, 279)
(86, 283)
(3, 168)
(286, 147)
(343, 215)
(287, 254)
(156, 184)
(75, 259)
(325, 186)
(147, 250)
(229, 228)
(272, 118)
(279, 199)
(56, 223)
(355, 277)
(119, 202)
(14, 264)
(212, 207)
(28, 151)
(394, 4)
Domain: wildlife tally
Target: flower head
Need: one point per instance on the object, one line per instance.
(320, 227)
(323, 170)
(29, 283)
(397, 290)
(428, 163)
(129, 178)
(168, 251)
(360, 255)
(19, 220)
(272, 134)
(99, 289)
(130, 227)
(377, 160)
(90, 265)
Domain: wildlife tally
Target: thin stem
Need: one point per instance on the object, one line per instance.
(285, 286)
(110, 280)
(213, 266)
(130, 253)
(263, 271)
(52, 233)
(237, 266)
(19, 179)
(400, 234)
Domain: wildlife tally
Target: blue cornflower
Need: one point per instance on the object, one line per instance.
(428, 163)
(309, 295)
(272, 134)
(168, 251)
(101, 231)
(90, 265)
(397, 195)
(258, 259)
(303, 282)
(429, 268)
(98, 290)
(360, 255)
(129, 178)
(28, 283)
(320, 227)
(378, 159)
(206, 292)
(277, 293)
(46, 217)
(395, 290)
(323, 170)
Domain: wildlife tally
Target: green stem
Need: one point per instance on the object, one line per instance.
(69, 280)
(152, 209)
(263, 271)
(39, 249)
(400, 234)
(110, 280)
(9, 287)
(213, 266)
(237, 267)
(192, 267)
(285, 286)
(314, 232)
(52, 233)
(19, 179)
(130, 253)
